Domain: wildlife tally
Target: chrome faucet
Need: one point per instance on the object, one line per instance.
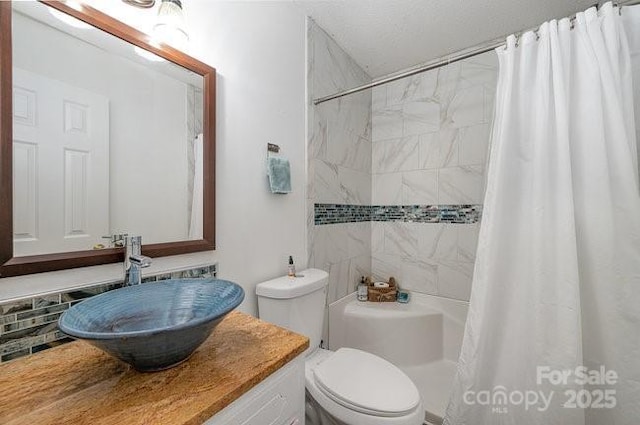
(134, 261)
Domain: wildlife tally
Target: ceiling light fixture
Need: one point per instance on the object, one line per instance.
(143, 4)
(170, 24)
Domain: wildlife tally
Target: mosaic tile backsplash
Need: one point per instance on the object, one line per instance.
(30, 325)
(452, 214)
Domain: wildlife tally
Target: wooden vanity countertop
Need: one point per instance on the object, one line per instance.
(77, 383)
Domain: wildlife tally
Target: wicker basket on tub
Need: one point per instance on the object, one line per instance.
(379, 295)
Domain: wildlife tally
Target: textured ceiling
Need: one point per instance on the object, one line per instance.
(385, 36)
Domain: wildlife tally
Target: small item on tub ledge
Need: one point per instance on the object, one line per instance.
(362, 290)
(403, 297)
(382, 294)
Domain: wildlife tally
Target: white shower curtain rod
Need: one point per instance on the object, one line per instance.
(478, 49)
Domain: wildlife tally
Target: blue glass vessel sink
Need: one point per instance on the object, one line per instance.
(153, 326)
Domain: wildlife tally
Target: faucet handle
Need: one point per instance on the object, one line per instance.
(117, 240)
(140, 260)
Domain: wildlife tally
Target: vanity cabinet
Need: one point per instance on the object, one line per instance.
(278, 400)
(248, 372)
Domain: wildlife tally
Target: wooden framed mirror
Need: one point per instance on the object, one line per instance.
(56, 207)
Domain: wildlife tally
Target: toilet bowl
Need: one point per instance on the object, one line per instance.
(353, 387)
(345, 387)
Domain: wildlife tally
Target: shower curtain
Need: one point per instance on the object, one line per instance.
(553, 331)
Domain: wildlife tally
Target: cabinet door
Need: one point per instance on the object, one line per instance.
(278, 400)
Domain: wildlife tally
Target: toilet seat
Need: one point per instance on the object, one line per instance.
(366, 383)
(354, 402)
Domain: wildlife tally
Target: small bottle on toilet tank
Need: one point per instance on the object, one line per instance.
(291, 272)
(362, 290)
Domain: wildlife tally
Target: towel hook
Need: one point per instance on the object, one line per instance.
(273, 148)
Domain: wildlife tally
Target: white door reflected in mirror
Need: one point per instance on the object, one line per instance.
(60, 165)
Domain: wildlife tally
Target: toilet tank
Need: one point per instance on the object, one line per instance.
(296, 303)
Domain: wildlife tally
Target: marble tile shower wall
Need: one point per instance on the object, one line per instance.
(430, 138)
(339, 167)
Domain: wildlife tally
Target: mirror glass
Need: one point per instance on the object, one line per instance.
(107, 138)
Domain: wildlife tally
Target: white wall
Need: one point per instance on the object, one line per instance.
(258, 49)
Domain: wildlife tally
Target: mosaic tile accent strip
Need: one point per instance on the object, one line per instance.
(453, 214)
(30, 325)
(340, 213)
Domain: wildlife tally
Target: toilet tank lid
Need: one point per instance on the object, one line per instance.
(305, 282)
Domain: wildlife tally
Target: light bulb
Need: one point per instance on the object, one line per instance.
(170, 25)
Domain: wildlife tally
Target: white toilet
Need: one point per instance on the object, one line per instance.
(346, 387)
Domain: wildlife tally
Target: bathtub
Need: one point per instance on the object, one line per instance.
(422, 338)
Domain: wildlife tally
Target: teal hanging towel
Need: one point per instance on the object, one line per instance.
(279, 173)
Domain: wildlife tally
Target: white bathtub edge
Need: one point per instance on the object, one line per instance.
(454, 317)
